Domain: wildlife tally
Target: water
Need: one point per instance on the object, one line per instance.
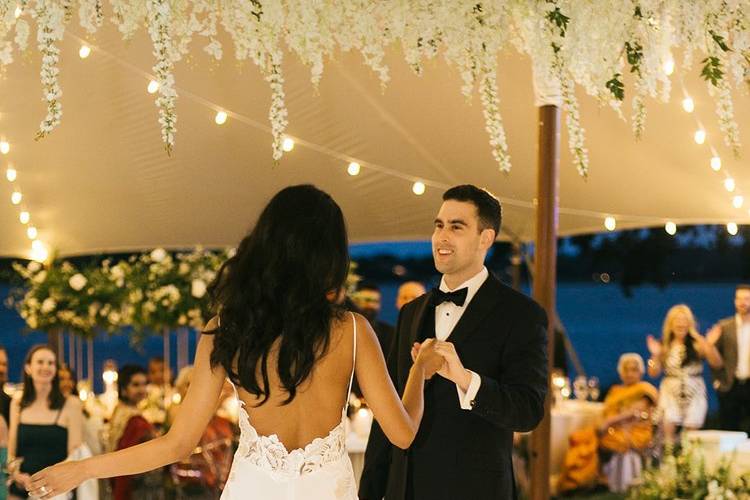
(601, 322)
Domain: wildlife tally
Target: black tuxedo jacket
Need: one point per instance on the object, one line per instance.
(459, 453)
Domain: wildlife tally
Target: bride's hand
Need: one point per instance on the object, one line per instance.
(56, 480)
(453, 369)
(425, 355)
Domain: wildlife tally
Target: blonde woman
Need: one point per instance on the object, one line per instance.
(679, 355)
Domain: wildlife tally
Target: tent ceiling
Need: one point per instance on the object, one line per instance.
(102, 181)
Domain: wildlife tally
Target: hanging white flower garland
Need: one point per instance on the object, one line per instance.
(584, 43)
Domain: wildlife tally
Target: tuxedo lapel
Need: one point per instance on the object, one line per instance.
(485, 301)
(416, 324)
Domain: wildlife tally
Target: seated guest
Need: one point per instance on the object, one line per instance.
(128, 428)
(627, 430)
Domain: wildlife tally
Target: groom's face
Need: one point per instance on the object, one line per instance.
(457, 241)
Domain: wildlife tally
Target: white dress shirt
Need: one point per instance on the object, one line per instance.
(447, 315)
(743, 349)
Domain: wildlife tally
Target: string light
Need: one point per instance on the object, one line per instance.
(669, 66)
(84, 51)
(732, 228)
(716, 163)
(353, 168)
(671, 228)
(700, 136)
(37, 244)
(418, 188)
(18, 11)
(153, 86)
(688, 105)
(221, 118)
(738, 201)
(11, 174)
(4, 147)
(610, 223)
(16, 197)
(39, 253)
(32, 233)
(288, 144)
(729, 184)
(24, 217)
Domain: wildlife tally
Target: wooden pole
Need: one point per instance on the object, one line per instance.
(55, 341)
(183, 348)
(71, 351)
(90, 359)
(545, 263)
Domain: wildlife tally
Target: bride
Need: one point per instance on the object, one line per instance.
(291, 351)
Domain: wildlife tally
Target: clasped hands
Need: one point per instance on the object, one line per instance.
(439, 356)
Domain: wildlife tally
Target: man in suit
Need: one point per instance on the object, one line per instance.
(408, 292)
(494, 380)
(731, 336)
(368, 300)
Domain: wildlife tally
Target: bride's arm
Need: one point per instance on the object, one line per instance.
(399, 419)
(191, 421)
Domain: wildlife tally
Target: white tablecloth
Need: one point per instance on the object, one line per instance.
(569, 416)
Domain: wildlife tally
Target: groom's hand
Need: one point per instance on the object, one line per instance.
(453, 369)
(428, 357)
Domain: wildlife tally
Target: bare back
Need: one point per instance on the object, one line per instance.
(317, 406)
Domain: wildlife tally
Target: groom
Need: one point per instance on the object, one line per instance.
(494, 380)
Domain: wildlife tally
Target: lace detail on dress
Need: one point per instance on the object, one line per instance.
(270, 454)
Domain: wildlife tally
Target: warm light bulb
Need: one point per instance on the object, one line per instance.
(84, 51)
(24, 217)
(418, 188)
(11, 174)
(729, 184)
(610, 223)
(700, 136)
(37, 245)
(732, 228)
(153, 86)
(669, 66)
(32, 233)
(671, 228)
(288, 144)
(688, 104)
(39, 254)
(716, 163)
(221, 118)
(4, 147)
(353, 168)
(18, 12)
(16, 197)
(738, 201)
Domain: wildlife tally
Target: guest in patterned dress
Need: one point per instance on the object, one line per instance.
(679, 356)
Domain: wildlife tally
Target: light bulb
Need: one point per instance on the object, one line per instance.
(669, 66)
(716, 163)
(24, 217)
(353, 168)
(84, 51)
(153, 86)
(18, 12)
(16, 197)
(738, 201)
(688, 104)
(732, 228)
(610, 223)
(4, 147)
(729, 184)
(418, 188)
(221, 118)
(288, 144)
(37, 244)
(671, 228)
(39, 254)
(11, 174)
(700, 136)
(32, 233)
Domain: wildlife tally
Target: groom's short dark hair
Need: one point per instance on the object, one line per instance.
(488, 207)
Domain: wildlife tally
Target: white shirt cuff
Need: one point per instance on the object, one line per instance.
(465, 398)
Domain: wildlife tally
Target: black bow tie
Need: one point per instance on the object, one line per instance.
(458, 297)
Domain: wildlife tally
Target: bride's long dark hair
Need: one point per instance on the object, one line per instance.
(281, 284)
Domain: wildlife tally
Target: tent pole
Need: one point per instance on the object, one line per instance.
(548, 165)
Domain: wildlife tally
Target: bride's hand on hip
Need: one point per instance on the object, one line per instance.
(56, 480)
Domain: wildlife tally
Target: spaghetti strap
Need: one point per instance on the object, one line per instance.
(354, 362)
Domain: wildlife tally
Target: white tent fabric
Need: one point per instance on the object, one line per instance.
(103, 182)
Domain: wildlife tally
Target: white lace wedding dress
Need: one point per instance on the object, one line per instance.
(264, 469)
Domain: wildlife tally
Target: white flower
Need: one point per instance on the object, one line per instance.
(34, 266)
(182, 320)
(117, 272)
(32, 322)
(48, 305)
(77, 282)
(184, 268)
(40, 277)
(198, 289)
(158, 254)
(114, 318)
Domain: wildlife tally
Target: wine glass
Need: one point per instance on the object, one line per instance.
(593, 387)
(580, 388)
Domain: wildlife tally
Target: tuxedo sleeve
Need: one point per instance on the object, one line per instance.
(515, 401)
(374, 480)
